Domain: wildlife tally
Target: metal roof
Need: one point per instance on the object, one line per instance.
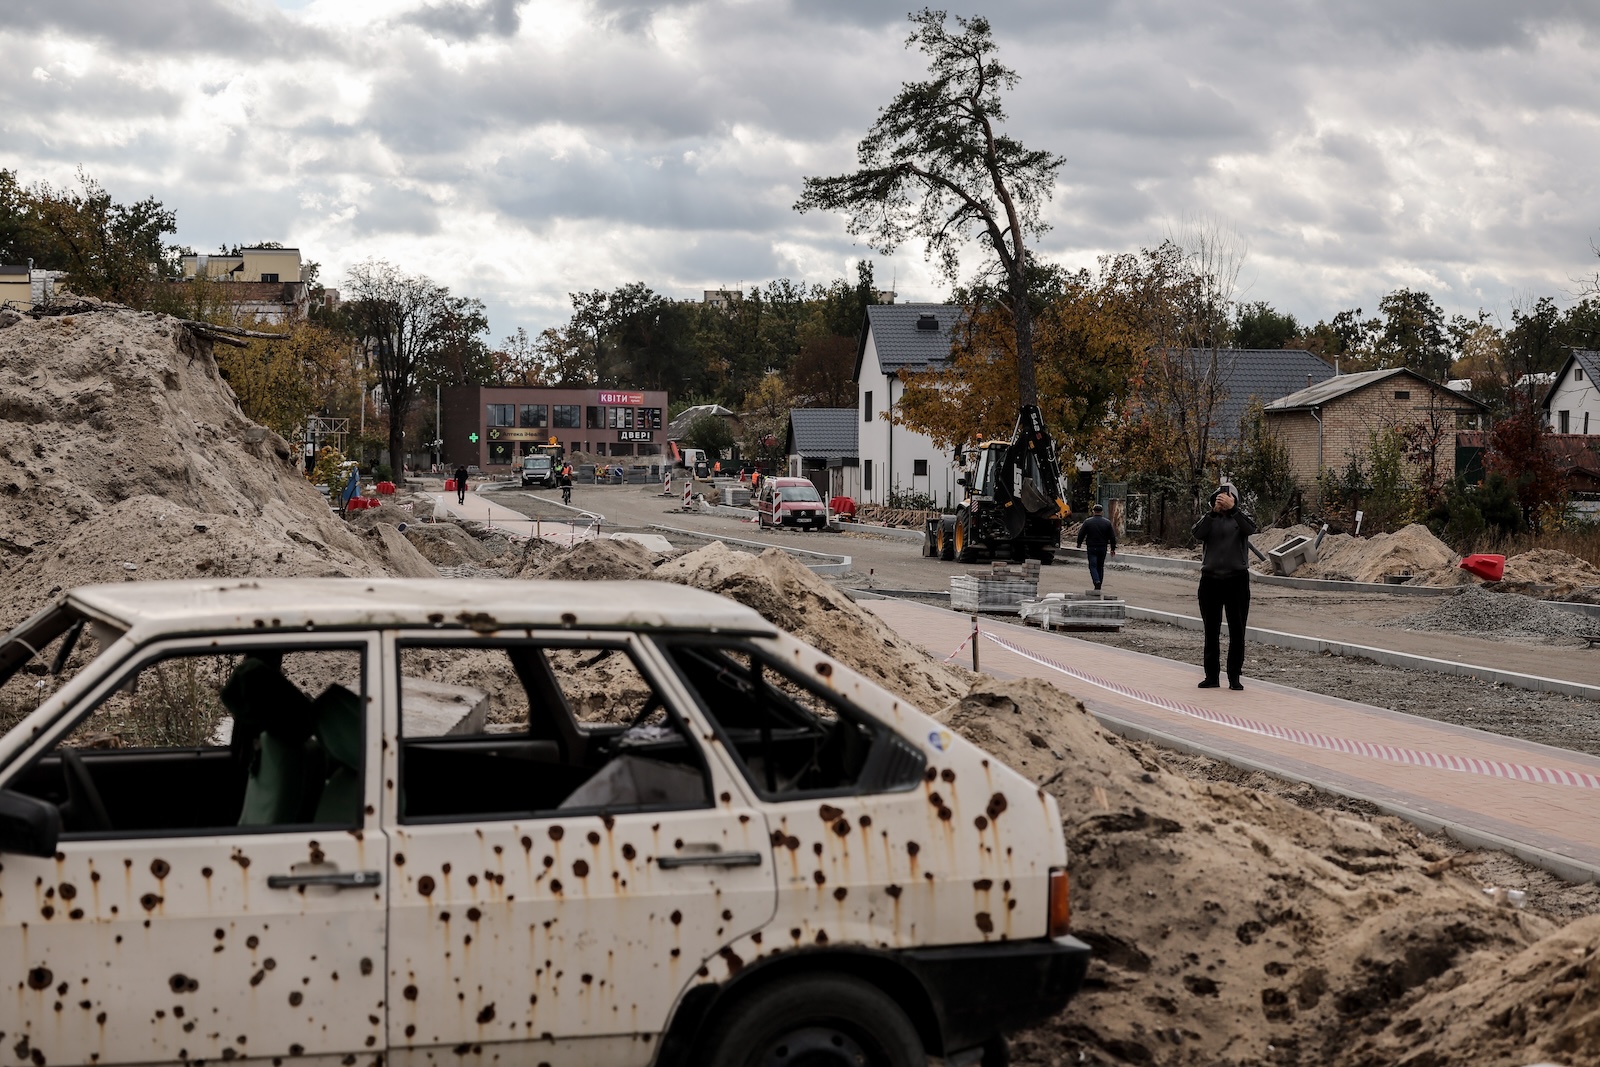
(1345, 384)
(1263, 374)
(686, 418)
(1587, 358)
(823, 433)
(276, 604)
(898, 342)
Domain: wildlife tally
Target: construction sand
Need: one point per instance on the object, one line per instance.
(1411, 550)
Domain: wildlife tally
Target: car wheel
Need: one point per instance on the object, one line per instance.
(819, 1020)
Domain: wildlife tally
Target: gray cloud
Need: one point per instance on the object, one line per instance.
(174, 28)
(465, 21)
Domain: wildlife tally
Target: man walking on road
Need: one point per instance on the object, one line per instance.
(461, 484)
(1224, 533)
(1099, 532)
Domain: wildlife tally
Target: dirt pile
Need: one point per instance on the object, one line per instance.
(607, 559)
(1550, 574)
(119, 440)
(1492, 613)
(1228, 926)
(1341, 557)
(795, 599)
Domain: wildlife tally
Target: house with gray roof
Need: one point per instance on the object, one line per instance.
(1260, 374)
(1572, 403)
(822, 445)
(893, 459)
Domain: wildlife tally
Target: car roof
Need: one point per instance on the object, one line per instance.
(342, 603)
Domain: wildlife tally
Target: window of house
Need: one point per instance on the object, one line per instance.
(502, 451)
(198, 742)
(655, 418)
(866, 406)
(919, 468)
(1577, 374)
(1402, 394)
(1585, 422)
(566, 416)
(502, 414)
(1564, 421)
(269, 277)
(533, 415)
(866, 474)
(792, 735)
(596, 418)
(510, 729)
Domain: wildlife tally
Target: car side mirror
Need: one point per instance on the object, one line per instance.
(28, 826)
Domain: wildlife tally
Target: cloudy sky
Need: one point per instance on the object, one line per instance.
(520, 149)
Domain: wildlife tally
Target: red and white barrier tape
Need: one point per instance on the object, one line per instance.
(1388, 753)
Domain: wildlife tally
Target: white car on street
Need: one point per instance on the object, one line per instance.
(342, 821)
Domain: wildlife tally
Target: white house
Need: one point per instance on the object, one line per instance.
(1572, 403)
(821, 445)
(895, 460)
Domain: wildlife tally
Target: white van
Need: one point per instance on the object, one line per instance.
(414, 822)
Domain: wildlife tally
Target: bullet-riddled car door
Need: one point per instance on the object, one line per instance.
(197, 909)
(566, 859)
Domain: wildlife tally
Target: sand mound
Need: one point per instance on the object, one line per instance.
(1228, 926)
(1550, 573)
(444, 544)
(106, 419)
(1413, 549)
(795, 599)
(606, 559)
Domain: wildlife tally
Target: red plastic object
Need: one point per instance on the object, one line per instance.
(842, 505)
(449, 485)
(385, 488)
(1490, 568)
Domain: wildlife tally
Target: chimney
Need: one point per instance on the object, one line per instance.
(1308, 381)
(927, 322)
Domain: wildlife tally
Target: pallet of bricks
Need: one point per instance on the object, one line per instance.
(1002, 588)
(1074, 611)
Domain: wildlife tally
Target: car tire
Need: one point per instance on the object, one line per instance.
(822, 1019)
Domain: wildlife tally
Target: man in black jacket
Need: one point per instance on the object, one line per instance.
(1224, 533)
(1099, 532)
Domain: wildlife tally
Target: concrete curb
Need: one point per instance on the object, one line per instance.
(841, 564)
(894, 532)
(1408, 661)
(1563, 867)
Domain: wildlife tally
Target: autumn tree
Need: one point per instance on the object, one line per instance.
(823, 374)
(936, 166)
(764, 423)
(312, 370)
(393, 315)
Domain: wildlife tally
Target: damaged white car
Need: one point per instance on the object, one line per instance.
(423, 822)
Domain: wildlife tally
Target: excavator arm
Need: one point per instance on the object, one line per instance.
(1031, 465)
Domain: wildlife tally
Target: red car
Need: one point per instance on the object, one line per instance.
(790, 502)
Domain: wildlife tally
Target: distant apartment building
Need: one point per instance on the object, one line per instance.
(265, 285)
(16, 286)
(722, 298)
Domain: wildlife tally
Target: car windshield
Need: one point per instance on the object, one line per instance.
(800, 493)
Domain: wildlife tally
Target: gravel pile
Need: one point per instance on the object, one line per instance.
(1478, 611)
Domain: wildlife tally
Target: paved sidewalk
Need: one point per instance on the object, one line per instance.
(1539, 802)
(499, 517)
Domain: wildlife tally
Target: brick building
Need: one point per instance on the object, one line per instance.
(493, 427)
(1328, 423)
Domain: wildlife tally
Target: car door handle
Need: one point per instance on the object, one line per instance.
(710, 859)
(336, 879)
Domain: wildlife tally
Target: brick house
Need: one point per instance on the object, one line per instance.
(1330, 422)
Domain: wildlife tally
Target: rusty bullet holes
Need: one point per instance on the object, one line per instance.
(549, 861)
(985, 924)
(840, 893)
(473, 915)
(842, 827)
(928, 875)
(703, 973)
(944, 814)
(50, 892)
(527, 843)
(297, 1050)
(533, 998)
(825, 669)
(258, 977)
(557, 833)
(409, 992)
(177, 1010)
(726, 797)
(981, 822)
(425, 885)
(816, 848)
(893, 891)
(629, 852)
(587, 979)
(865, 821)
(947, 775)
(100, 1019)
(61, 990)
(94, 876)
(819, 877)
(829, 813)
(734, 962)
(568, 619)
(608, 821)
(676, 953)
(930, 774)
(555, 885)
(472, 879)
(219, 934)
(366, 966)
(791, 843)
(983, 885)
(912, 848)
(676, 917)
(68, 890)
(295, 998)
(822, 937)
(997, 804)
(48, 912)
(270, 964)
(580, 868)
(486, 1016)
(160, 868)
(444, 868)
(727, 916)
(252, 941)
(794, 932)
(594, 838)
(444, 916)
(411, 1031)
(370, 810)
(1011, 904)
(936, 800)
(399, 859)
(150, 901)
(40, 978)
(182, 983)
(242, 860)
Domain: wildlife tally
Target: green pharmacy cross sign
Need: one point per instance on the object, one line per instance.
(473, 436)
